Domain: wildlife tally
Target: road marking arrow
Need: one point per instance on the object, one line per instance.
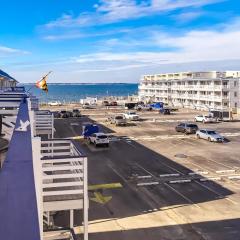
(99, 198)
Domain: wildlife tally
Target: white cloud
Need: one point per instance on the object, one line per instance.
(111, 11)
(196, 45)
(189, 16)
(8, 51)
(81, 34)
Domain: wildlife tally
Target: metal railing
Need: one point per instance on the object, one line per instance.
(64, 179)
(44, 123)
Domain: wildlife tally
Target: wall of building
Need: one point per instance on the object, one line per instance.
(201, 90)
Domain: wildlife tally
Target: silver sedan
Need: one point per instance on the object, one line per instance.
(209, 135)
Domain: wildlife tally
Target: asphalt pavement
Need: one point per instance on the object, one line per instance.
(151, 204)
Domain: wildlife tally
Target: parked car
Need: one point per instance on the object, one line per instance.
(143, 107)
(56, 114)
(209, 135)
(99, 139)
(88, 106)
(165, 111)
(205, 119)
(186, 128)
(105, 103)
(64, 114)
(130, 105)
(131, 116)
(113, 103)
(70, 114)
(55, 103)
(76, 113)
(118, 120)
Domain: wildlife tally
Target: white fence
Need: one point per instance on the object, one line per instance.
(44, 123)
(64, 179)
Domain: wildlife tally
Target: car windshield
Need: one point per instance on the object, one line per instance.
(119, 117)
(192, 125)
(207, 116)
(102, 136)
(75, 110)
(211, 132)
(132, 113)
(63, 111)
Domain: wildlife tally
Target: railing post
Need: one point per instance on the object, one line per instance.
(52, 117)
(37, 167)
(71, 218)
(85, 199)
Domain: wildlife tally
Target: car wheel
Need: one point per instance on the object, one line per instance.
(95, 144)
(198, 137)
(209, 139)
(107, 145)
(89, 141)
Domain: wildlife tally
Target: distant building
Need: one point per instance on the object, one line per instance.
(198, 90)
(6, 81)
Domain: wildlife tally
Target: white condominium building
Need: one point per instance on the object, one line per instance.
(199, 90)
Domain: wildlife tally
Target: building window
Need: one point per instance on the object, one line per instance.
(235, 83)
(235, 94)
(236, 105)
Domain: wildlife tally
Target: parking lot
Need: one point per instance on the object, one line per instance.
(173, 186)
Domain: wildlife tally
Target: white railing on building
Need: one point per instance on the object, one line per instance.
(44, 123)
(64, 179)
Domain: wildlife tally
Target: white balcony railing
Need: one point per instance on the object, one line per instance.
(64, 179)
(44, 123)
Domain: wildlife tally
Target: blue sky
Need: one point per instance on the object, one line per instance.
(117, 40)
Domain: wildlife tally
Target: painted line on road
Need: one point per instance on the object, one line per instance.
(74, 124)
(198, 173)
(170, 175)
(181, 181)
(144, 169)
(226, 171)
(143, 177)
(234, 177)
(114, 170)
(184, 197)
(147, 184)
(210, 179)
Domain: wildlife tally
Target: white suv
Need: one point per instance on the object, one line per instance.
(131, 116)
(99, 139)
(205, 119)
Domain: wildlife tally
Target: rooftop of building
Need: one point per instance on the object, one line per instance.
(6, 76)
(195, 74)
(17, 188)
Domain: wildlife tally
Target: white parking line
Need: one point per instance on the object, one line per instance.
(170, 175)
(142, 177)
(147, 183)
(198, 173)
(181, 181)
(210, 179)
(226, 171)
(74, 124)
(234, 177)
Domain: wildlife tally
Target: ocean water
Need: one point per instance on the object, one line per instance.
(74, 92)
